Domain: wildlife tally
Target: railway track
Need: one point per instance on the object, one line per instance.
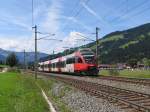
(125, 99)
(145, 82)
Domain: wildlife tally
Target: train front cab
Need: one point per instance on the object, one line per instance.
(85, 65)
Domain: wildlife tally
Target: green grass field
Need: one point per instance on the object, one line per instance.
(19, 93)
(4, 65)
(129, 73)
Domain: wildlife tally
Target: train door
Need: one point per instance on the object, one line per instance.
(59, 65)
(70, 65)
(49, 66)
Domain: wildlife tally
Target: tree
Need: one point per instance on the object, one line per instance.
(1, 62)
(132, 62)
(146, 62)
(12, 60)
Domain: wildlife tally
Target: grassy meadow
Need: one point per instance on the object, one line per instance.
(128, 73)
(19, 93)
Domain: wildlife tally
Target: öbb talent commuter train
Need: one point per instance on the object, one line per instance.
(81, 62)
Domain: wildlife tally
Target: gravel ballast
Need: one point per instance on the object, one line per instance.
(118, 84)
(78, 101)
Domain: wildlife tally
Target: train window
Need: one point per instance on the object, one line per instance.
(46, 66)
(70, 60)
(73, 60)
(52, 65)
(89, 59)
(62, 64)
(55, 65)
(87, 53)
(49, 65)
(79, 60)
(42, 66)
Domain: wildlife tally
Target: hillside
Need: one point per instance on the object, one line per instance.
(120, 46)
(20, 55)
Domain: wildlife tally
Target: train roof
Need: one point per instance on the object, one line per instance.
(68, 56)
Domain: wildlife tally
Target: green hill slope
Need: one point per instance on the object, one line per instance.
(122, 46)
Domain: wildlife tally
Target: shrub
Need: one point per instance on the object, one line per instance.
(113, 72)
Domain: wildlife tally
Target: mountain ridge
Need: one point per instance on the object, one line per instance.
(20, 55)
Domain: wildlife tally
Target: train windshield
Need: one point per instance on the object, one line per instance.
(89, 59)
(88, 55)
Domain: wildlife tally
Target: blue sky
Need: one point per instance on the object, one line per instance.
(66, 19)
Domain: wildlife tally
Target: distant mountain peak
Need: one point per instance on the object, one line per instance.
(20, 55)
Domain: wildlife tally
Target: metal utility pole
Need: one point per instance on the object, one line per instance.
(24, 59)
(35, 60)
(97, 45)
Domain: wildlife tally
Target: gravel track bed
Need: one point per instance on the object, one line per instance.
(79, 101)
(123, 85)
(118, 84)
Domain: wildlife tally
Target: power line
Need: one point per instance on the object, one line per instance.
(80, 10)
(66, 23)
(110, 12)
(129, 10)
(76, 14)
(140, 12)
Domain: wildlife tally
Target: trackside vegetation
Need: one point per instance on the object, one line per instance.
(19, 93)
(3, 65)
(127, 73)
(48, 85)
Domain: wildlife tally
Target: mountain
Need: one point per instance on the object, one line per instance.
(20, 55)
(2, 57)
(119, 46)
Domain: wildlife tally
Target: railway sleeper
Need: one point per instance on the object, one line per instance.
(128, 97)
(124, 95)
(137, 98)
(145, 101)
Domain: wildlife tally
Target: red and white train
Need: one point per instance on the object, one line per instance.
(80, 62)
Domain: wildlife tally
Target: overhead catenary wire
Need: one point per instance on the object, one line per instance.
(140, 12)
(76, 14)
(129, 10)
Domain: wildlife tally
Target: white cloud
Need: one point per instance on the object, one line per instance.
(51, 23)
(72, 40)
(16, 43)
